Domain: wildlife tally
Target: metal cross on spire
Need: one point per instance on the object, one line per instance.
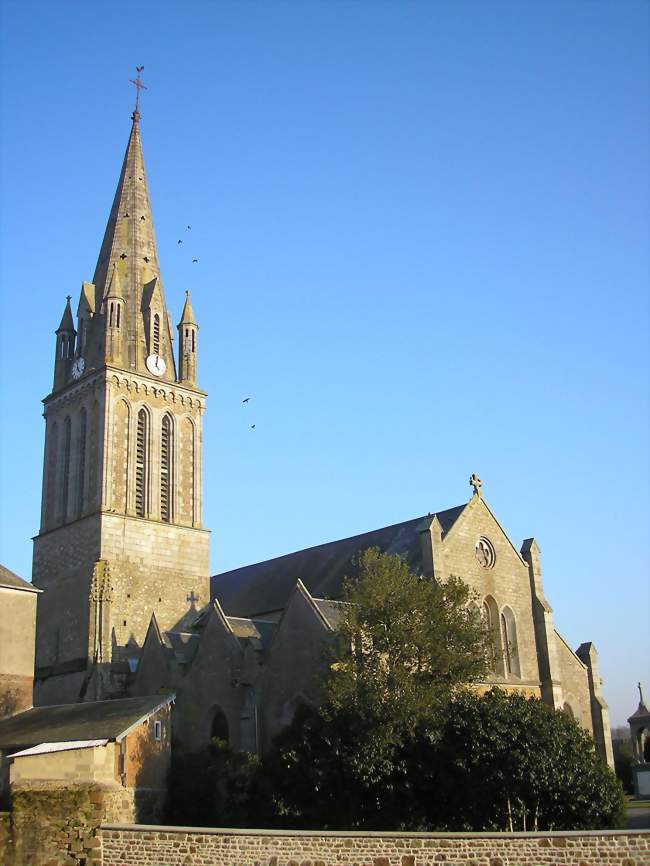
(138, 87)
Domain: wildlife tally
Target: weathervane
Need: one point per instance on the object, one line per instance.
(138, 87)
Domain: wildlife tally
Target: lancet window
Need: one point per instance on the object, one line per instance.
(166, 467)
(156, 334)
(509, 643)
(141, 463)
(65, 470)
(81, 467)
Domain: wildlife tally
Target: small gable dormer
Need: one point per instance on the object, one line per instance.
(113, 310)
(85, 313)
(158, 354)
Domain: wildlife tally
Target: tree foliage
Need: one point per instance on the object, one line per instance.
(507, 762)
(216, 786)
(499, 762)
(406, 643)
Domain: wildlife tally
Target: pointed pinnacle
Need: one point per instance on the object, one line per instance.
(67, 322)
(187, 316)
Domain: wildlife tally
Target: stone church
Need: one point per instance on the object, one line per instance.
(128, 606)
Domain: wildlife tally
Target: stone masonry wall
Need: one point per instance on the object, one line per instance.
(178, 846)
(507, 582)
(56, 825)
(575, 683)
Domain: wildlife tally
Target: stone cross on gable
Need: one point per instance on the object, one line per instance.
(192, 598)
(476, 483)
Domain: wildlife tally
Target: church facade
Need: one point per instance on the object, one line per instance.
(128, 606)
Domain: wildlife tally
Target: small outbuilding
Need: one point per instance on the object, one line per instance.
(122, 745)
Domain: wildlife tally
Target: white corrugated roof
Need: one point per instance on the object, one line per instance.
(44, 748)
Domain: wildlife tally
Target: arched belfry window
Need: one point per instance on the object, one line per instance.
(166, 469)
(65, 470)
(81, 465)
(141, 463)
(156, 334)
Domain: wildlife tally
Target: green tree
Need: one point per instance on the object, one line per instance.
(216, 786)
(499, 762)
(507, 762)
(406, 643)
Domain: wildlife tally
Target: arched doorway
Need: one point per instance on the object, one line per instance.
(219, 729)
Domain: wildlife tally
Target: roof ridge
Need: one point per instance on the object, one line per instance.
(339, 540)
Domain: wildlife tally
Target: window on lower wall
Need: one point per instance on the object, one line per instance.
(157, 730)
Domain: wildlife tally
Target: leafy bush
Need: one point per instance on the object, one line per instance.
(498, 762)
(215, 787)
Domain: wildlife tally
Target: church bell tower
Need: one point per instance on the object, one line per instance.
(121, 535)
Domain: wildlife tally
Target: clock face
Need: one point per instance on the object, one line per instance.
(156, 365)
(78, 367)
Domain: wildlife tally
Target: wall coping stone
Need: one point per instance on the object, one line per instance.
(367, 834)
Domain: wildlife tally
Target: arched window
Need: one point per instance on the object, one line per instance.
(166, 469)
(141, 463)
(50, 506)
(193, 341)
(490, 616)
(111, 315)
(65, 470)
(509, 643)
(119, 308)
(219, 726)
(156, 334)
(81, 465)
(567, 709)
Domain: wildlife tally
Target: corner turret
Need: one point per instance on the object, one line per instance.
(187, 343)
(65, 344)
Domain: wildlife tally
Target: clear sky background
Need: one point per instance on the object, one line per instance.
(422, 231)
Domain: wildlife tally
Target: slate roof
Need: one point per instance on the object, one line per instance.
(258, 631)
(8, 578)
(332, 611)
(183, 645)
(266, 586)
(94, 720)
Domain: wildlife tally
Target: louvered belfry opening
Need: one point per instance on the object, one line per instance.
(141, 461)
(65, 469)
(166, 445)
(81, 476)
(156, 334)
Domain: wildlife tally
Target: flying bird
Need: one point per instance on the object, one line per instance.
(190, 228)
(246, 400)
(194, 260)
(252, 426)
(180, 242)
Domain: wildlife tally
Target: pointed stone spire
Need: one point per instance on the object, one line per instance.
(65, 345)
(187, 343)
(129, 251)
(67, 322)
(187, 316)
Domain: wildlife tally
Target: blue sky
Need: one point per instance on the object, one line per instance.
(422, 232)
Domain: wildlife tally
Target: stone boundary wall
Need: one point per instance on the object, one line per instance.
(149, 845)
